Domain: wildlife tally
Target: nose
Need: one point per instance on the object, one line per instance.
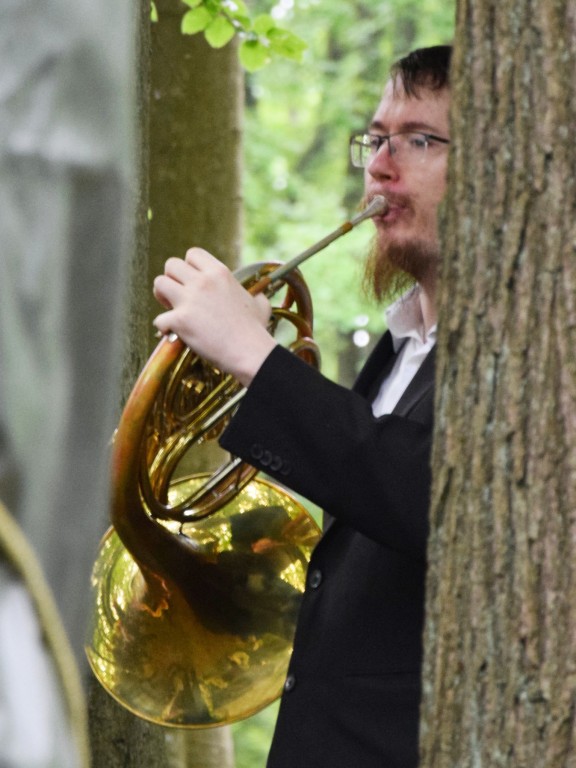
(382, 163)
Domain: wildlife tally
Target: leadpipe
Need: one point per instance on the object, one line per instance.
(378, 205)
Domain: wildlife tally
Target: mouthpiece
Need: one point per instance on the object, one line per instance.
(376, 206)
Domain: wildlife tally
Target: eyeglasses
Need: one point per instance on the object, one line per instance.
(406, 147)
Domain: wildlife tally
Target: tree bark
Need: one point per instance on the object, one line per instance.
(193, 187)
(500, 666)
(119, 739)
(195, 145)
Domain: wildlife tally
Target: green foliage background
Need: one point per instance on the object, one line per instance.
(298, 184)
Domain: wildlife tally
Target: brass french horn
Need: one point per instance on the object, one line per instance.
(197, 585)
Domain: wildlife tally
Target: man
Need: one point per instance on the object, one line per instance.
(353, 688)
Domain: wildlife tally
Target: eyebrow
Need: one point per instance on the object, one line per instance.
(408, 126)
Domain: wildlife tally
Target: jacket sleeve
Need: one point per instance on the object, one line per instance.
(322, 441)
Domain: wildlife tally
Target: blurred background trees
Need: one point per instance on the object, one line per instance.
(291, 183)
(298, 183)
(92, 143)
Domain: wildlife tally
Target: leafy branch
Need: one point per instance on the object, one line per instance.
(219, 20)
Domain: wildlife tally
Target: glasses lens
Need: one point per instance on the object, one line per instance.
(406, 148)
(361, 150)
(409, 147)
(355, 152)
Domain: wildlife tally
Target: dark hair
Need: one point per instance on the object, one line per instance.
(427, 68)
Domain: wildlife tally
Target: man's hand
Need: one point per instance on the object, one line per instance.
(213, 314)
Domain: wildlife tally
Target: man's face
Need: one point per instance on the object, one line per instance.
(407, 234)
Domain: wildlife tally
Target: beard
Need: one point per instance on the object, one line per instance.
(392, 268)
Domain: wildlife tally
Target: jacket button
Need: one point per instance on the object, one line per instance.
(315, 579)
(276, 463)
(289, 683)
(256, 451)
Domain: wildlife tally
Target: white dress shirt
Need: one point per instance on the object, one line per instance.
(411, 344)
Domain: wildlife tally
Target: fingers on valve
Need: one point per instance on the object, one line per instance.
(199, 258)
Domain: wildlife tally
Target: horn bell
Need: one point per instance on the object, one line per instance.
(197, 585)
(214, 648)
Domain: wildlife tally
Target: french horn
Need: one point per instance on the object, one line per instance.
(197, 585)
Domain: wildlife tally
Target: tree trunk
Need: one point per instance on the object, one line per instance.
(500, 665)
(193, 187)
(119, 739)
(195, 145)
(195, 158)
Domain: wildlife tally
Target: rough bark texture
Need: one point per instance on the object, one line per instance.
(137, 294)
(196, 112)
(119, 739)
(500, 668)
(190, 181)
(195, 145)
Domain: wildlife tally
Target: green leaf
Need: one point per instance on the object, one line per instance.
(286, 44)
(253, 55)
(213, 6)
(153, 11)
(220, 20)
(219, 32)
(241, 21)
(237, 13)
(263, 24)
(195, 20)
(236, 8)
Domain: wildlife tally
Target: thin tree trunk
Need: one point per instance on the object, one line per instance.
(195, 145)
(500, 667)
(195, 199)
(118, 738)
(196, 113)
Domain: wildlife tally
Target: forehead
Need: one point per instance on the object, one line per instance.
(427, 111)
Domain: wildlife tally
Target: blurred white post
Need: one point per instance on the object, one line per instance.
(66, 222)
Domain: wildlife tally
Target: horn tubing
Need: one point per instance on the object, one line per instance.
(377, 206)
(197, 586)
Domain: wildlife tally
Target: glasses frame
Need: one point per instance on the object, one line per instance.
(378, 140)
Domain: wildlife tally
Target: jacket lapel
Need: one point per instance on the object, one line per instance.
(380, 364)
(377, 367)
(419, 387)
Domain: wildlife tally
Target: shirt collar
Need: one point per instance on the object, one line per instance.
(405, 320)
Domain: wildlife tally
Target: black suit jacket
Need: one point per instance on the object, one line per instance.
(352, 693)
